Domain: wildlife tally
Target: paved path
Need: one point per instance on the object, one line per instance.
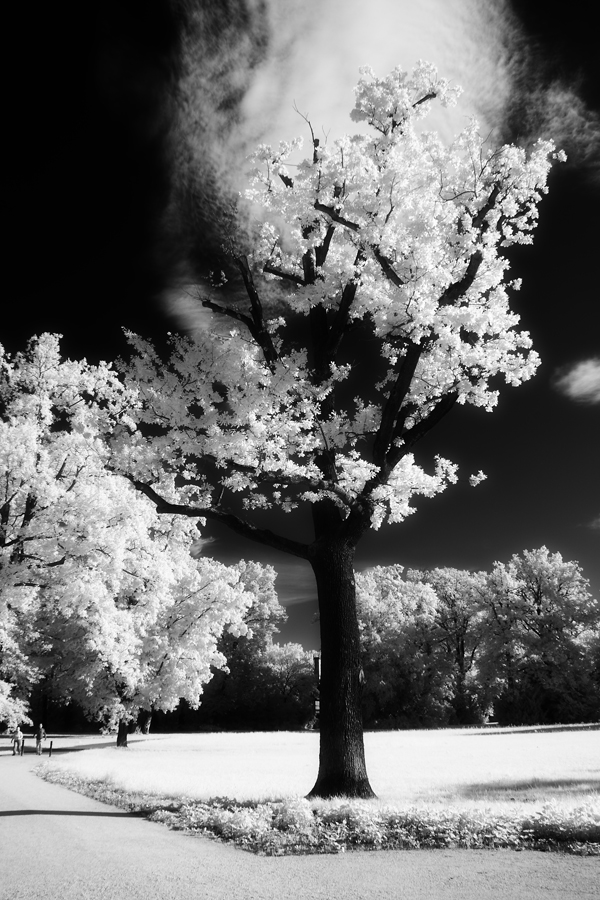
(58, 845)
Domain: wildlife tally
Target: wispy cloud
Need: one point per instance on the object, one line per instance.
(199, 546)
(580, 381)
(310, 61)
(295, 583)
(306, 55)
(595, 523)
(464, 38)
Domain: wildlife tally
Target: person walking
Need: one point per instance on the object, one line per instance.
(40, 736)
(17, 741)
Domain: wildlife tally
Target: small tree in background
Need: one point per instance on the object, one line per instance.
(458, 631)
(543, 626)
(420, 633)
(268, 689)
(405, 680)
(237, 696)
(265, 685)
(376, 300)
(442, 647)
(131, 654)
(291, 683)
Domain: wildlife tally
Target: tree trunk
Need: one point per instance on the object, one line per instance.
(342, 769)
(460, 703)
(144, 720)
(122, 733)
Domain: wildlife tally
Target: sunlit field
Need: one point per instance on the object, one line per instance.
(467, 768)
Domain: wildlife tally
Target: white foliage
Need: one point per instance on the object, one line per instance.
(13, 711)
(94, 584)
(391, 232)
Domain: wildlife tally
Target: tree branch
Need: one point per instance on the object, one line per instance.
(340, 322)
(397, 395)
(228, 311)
(239, 526)
(289, 276)
(275, 478)
(258, 329)
(254, 323)
(458, 288)
(323, 249)
(414, 434)
(335, 217)
(359, 518)
(387, 267)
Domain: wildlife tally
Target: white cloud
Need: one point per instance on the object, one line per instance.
(581, 381)
(595, 523)
(464, 38)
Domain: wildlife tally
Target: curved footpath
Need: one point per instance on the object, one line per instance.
(60, 845)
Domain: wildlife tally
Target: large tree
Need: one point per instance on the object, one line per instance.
(375, 301)
(99, 595)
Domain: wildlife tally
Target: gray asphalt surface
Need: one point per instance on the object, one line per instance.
(58, 845)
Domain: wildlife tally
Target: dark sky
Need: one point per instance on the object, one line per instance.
(91, 140)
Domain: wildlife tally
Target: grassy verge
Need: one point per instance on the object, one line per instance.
(452, 768)
(297, 826)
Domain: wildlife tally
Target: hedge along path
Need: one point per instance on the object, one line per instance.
(297, 826)
(70, 846)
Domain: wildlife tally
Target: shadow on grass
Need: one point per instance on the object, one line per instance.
(64, 812)
(517, 790)
(78, 747)
(526, 729)
(75, 748)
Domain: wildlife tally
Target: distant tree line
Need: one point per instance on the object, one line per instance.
(519, 645)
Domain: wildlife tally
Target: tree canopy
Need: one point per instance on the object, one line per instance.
(390, 246)
(452, 647)
(101, 596)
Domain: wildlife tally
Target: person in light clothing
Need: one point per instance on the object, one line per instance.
(17, 741)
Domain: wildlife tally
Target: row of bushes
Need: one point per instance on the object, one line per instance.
(298, 826)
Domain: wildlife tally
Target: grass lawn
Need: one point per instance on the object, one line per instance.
(471, 787)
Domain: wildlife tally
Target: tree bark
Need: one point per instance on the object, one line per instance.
(342, 768)
(122, 733)
(144, 720)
